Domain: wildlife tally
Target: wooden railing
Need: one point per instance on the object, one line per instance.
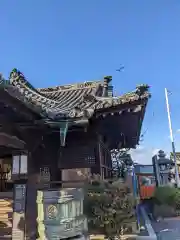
(6, 184)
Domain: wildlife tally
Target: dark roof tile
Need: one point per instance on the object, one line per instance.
(69, 101)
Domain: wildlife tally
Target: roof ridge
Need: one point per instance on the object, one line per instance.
(75, 86)
(84, 84)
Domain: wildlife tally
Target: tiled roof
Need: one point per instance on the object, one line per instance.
(69, 101)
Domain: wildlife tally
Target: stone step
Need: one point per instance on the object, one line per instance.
(5, 209)
(6, 199)
(4, 225)
(6, 233)
(5, 220)
(5, 204)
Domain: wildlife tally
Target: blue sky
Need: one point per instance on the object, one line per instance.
(65, 41)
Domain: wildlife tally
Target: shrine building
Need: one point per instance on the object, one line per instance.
(63, 133)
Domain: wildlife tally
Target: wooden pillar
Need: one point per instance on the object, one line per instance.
(45, 155)
(32, 185)
(100, 159)
(96, 169)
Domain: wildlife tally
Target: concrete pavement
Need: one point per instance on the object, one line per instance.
(168, 229)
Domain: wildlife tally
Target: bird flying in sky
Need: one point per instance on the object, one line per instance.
(120, 69)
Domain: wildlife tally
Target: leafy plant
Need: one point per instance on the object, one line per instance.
(109, 208)
(121, 160)
(175, 199)
(165, 195)
(167, 201)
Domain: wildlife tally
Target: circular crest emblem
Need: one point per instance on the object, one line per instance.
(52, 211)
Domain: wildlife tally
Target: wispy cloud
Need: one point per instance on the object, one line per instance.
(155, 151)
(143, 155)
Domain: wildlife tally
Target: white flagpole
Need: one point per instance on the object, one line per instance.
(172, 139)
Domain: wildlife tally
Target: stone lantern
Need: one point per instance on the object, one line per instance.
(163, 169)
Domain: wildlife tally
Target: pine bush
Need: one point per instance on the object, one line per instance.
(109, 207)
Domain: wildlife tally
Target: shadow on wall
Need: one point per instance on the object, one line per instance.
(6, 230)
(21, 224)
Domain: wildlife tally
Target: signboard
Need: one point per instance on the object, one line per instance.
(19, 212)
(20, 163)
(23, 165)
(45, 176)
(16, 164)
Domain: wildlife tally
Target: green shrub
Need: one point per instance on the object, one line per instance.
(165, 195)
(167, 198)
(175, 201)
(109, 207)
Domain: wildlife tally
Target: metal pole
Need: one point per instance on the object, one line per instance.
(172, 140)
(134, 181)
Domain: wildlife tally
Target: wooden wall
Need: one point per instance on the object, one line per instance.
(44, 154)
(86, 150)
(79, 152)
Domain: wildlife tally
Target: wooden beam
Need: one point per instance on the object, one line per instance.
(106, 167)
(11, 141)
(127, 107)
